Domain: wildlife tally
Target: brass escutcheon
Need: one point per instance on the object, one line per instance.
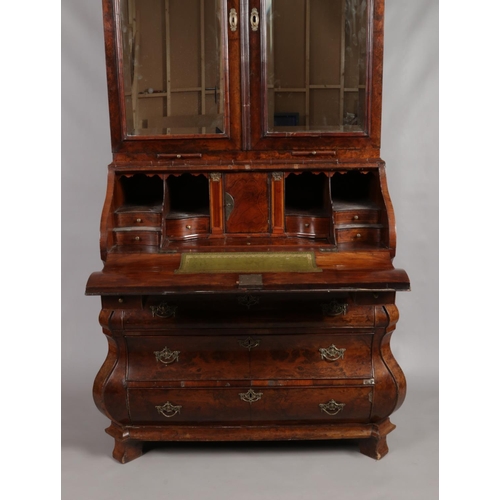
(332, 407)
(331, 353)
(233, 19)
(163, 310)
(250, 396)
(248, 301)
(168, 410)
(166, 356)
(249, 343)
(334, 308)
(254, 19)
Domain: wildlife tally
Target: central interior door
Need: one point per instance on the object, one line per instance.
(246, 202)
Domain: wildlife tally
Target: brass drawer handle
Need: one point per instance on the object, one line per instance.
(249, 343)
(332, 407)
(250, 396)
(138, 221)
(169, 410)
(331, 353)
(334, 308)
(163, 310)
(166, 356)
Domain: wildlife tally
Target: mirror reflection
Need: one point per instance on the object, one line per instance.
(173, 76)
(316, 54)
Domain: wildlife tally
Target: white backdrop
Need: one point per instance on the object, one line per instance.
(410, 149)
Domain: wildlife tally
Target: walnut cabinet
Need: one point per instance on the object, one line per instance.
(247, 233)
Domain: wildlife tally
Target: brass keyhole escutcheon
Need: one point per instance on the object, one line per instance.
(249, 343)
(233, 20)
(254, 19)
(228, 204)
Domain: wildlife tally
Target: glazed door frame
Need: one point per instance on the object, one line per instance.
(165, 146)
(259, 139)
(245, 96)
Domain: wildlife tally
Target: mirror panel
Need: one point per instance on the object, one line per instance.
(173, 67)
(316, 71)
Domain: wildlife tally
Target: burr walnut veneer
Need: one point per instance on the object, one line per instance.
(247, 234)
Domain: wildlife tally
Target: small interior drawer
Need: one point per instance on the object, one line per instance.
(357, 216)
(358, 234)
(147, 236)
(186, 228)
(307, 225)
(137, 219)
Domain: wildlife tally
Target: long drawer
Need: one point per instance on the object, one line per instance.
(243, 309)
(249, 355)
(312, 404)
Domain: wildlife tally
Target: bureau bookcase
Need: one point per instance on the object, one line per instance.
(247, 234)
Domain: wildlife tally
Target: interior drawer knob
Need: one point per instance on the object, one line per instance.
(138, 221)
(188, 227)
(169, 410)
(331, 353)
(332, 407)
(166, 356)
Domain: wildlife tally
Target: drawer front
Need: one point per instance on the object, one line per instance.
(246, 311)
(358, 235)
(187, 405)
(260, 357)
(312, 404)
(250, 404)
(186, 228)
(311, 357)
(138, 219)
(307, 226)
(193, 357)
(149, 238)
(357, 217)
